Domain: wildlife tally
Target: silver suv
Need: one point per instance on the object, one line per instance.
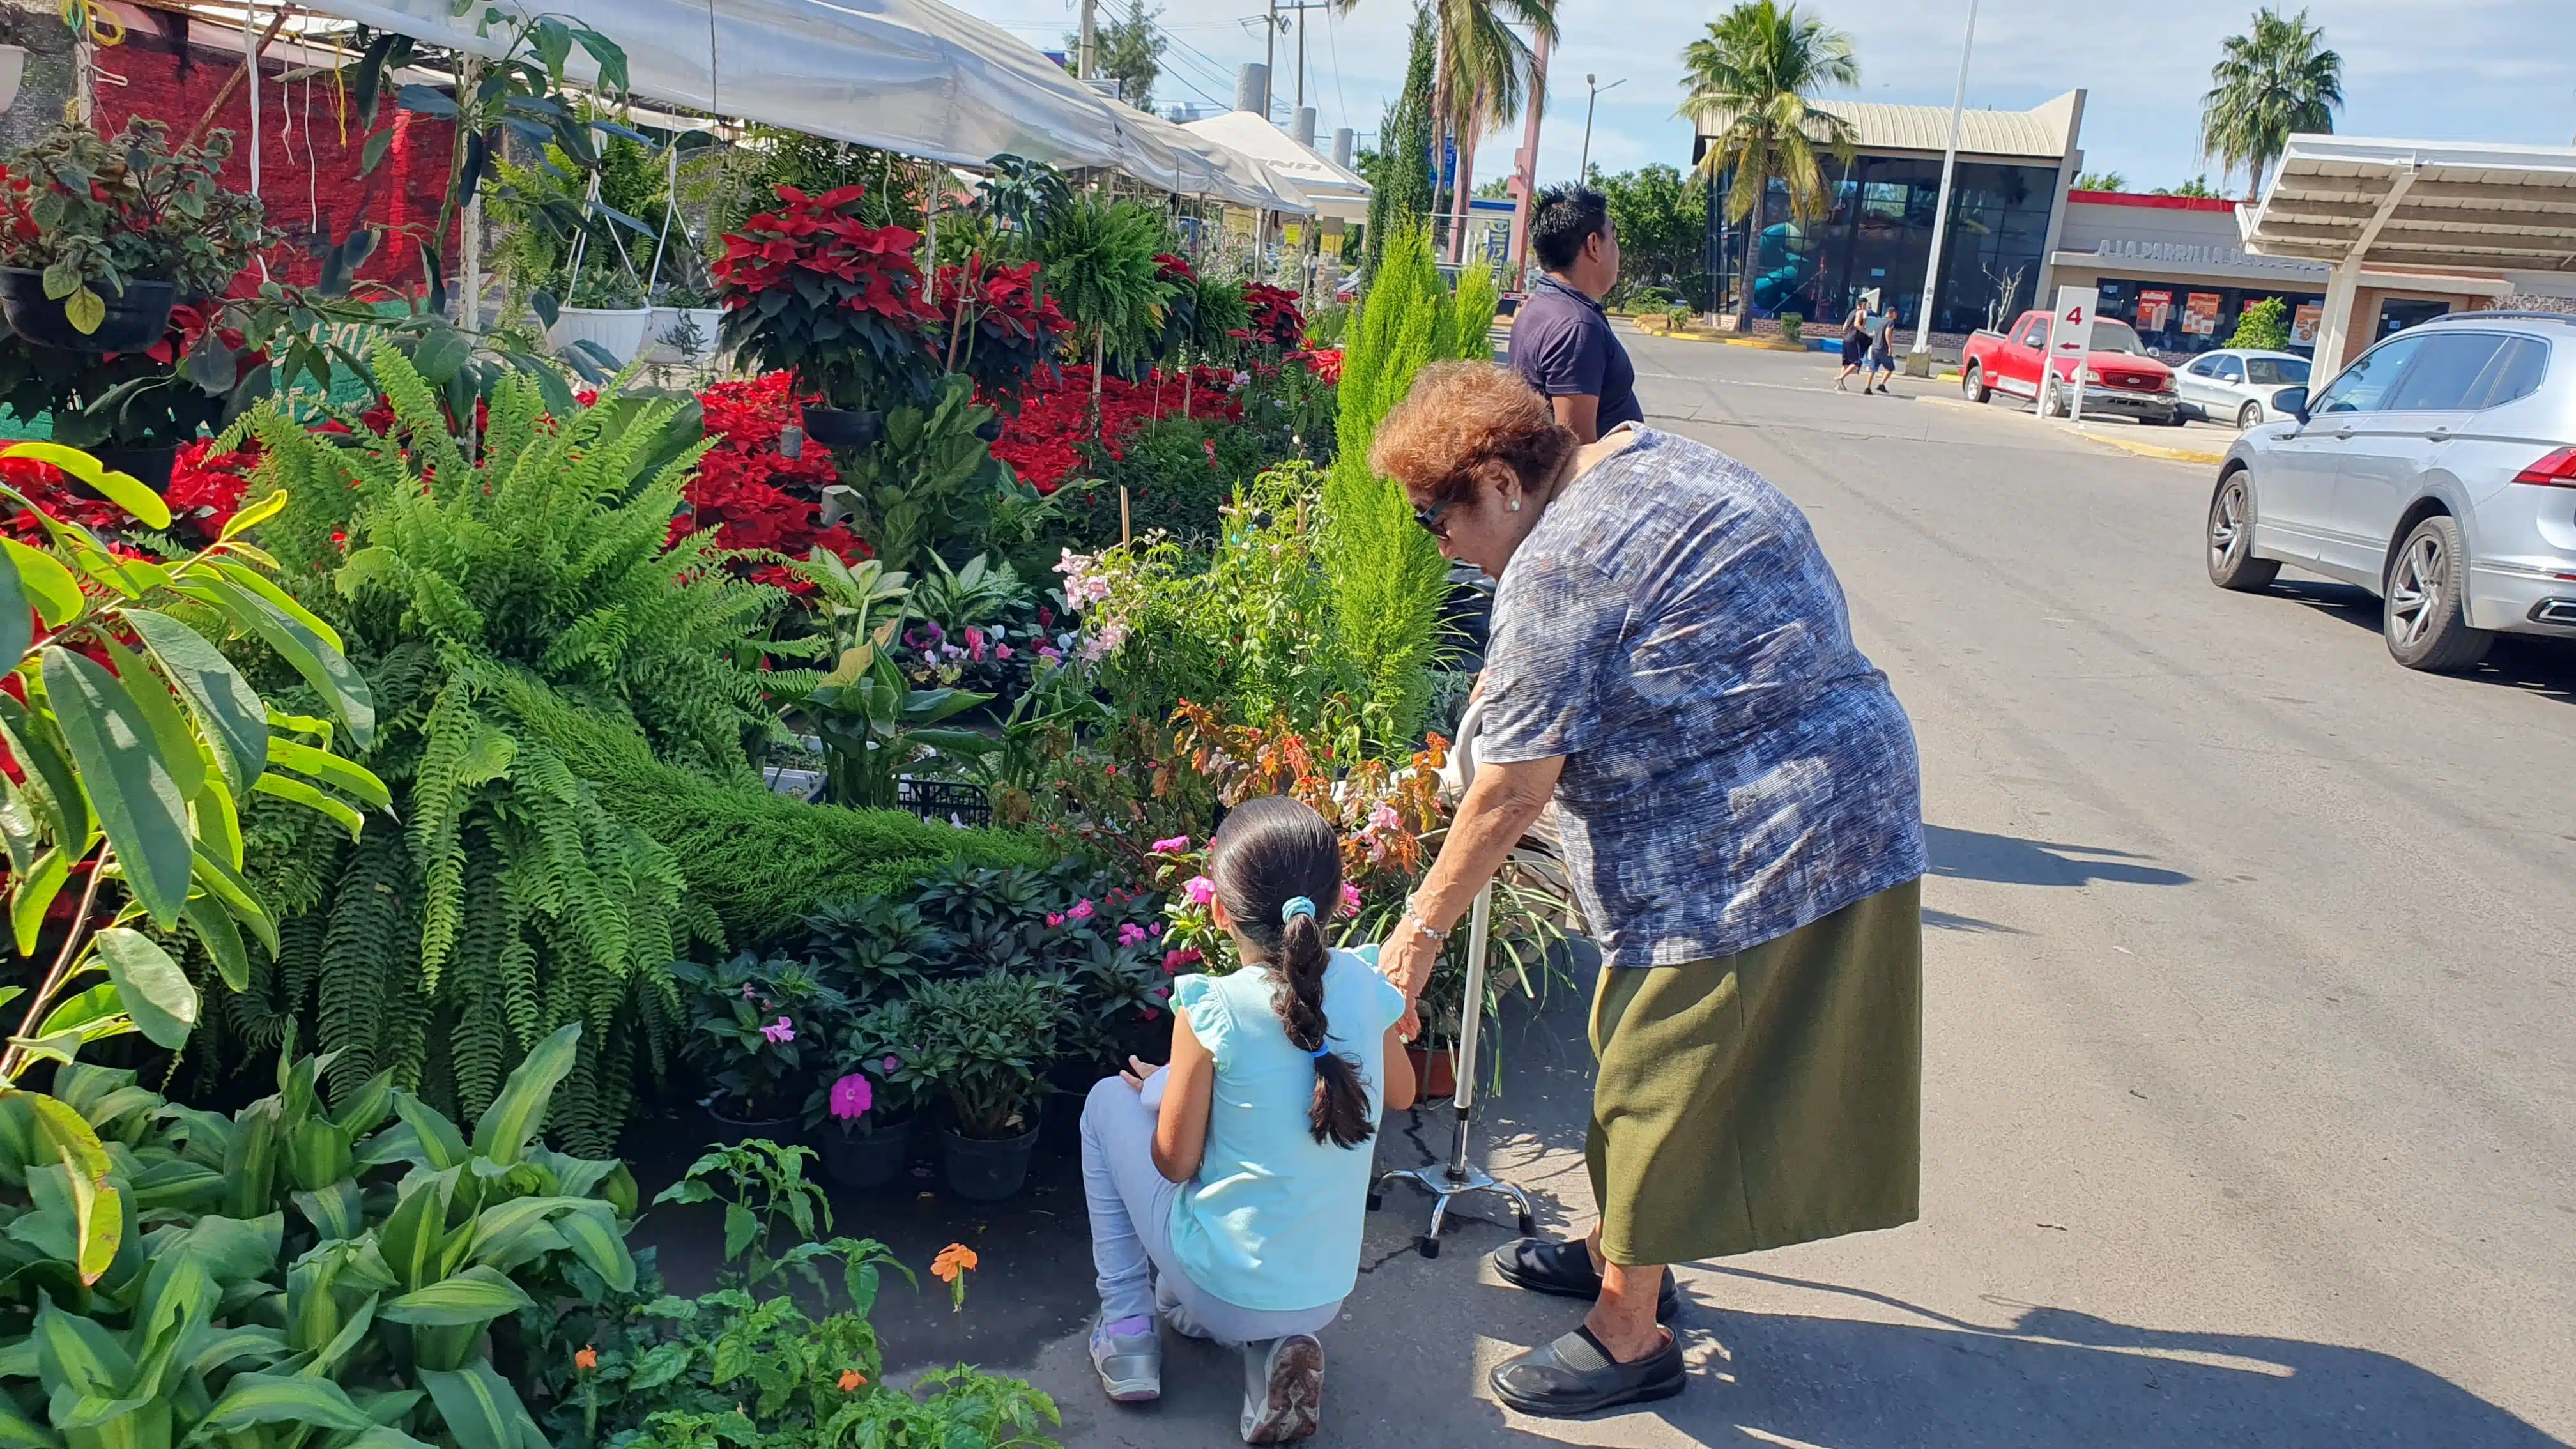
(2438, 472)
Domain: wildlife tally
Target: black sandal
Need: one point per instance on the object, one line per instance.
(1565, 1271)
(1576, 1375)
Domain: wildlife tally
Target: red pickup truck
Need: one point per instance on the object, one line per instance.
(2120, 376)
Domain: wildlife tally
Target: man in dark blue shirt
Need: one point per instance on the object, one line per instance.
(1561, 339)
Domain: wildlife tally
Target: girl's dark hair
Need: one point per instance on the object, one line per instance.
(1269, 852)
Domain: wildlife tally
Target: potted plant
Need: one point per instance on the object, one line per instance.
(987, 1041)
(604, 308)
(750, 1021)
(811, 288)
(862, 1113)
(1000, 331)
(102, 236)
(683, 326)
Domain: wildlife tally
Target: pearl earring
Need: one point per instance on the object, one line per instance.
(1514, 505)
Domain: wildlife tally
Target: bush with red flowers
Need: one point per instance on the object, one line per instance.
(1276, 321)
(810, 289)
(754, 496)
(1050, 441)
(1013, 333)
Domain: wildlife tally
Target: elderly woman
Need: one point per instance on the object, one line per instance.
(1672, 664)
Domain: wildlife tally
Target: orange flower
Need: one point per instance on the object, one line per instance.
(952, 1260)
(585, 1358)
(852, 1379)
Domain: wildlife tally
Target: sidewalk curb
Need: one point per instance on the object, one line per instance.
(2143, 450)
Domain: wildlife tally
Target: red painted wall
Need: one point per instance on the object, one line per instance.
(308, 169)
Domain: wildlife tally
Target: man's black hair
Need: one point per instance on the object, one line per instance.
(1565, 218)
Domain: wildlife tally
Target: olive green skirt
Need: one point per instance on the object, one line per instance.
(1770, 1097)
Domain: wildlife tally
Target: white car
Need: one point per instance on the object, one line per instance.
(2236, 385)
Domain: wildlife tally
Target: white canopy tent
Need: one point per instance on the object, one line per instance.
(1337, 191)
(910, 76)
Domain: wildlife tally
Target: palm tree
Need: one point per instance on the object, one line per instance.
(1485, 73)
(2279, 80)
(1753, 76)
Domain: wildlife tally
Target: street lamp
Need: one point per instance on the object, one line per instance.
(1583, 168)
(1918, 363)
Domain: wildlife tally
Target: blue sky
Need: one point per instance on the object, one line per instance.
(2464, 70)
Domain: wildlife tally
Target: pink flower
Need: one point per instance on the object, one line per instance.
(1173, 961)
(746, 991)
(1156, 929)
(975, 643)
(1172, 846)
(780, 1031)
(1384, 817)
(1082, 910)
(1054, 919)
(1350, 899)
(1131, 934)
(891, 1064)
(1198, 890)
(1001, 651)
(851, 1097)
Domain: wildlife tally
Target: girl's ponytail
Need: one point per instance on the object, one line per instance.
(1272, 861)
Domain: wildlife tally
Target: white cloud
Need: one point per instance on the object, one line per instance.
(2490, 70)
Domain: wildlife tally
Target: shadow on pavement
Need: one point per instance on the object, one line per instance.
(2545, 667)
(2011, 860)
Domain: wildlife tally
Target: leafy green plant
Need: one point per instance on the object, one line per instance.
(932, 481)
(751, 1023)
(609, 288)
(1100, 269)
(987, 1041)
(763, 1188)
(883, 1045)
(474, 592)
(873, 723)
(986, 590)
(1790, 325)
(277, 1301)
(137, 743)
(2263, 326)
(95, 213)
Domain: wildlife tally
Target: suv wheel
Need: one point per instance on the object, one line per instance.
(1973, 383)
(2232, 564)
(2426, 625)
(2249, 416)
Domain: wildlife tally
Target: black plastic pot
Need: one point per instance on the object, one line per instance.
(986, 1169)
(150, 466)
(990, 430)
(727, 1130)
(867, 1159)
(844, 428)
(134, 320)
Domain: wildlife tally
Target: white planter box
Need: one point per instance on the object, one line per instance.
(658, 345)
(619, 332)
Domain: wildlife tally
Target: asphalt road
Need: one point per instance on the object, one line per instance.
(2251, 1023)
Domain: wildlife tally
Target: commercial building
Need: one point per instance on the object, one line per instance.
(2007, 204)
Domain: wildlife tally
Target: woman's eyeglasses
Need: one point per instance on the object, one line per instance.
(1429, 518)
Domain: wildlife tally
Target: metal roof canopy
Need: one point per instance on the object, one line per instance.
(2356, 203)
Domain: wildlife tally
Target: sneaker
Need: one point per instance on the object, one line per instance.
(1128, 1356)
(1283, 1389)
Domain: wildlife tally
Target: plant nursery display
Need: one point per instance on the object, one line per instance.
(812, 289)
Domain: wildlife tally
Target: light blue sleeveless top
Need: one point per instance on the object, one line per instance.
(1272, 1221)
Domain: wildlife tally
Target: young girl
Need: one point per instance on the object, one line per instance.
(1231, 1207)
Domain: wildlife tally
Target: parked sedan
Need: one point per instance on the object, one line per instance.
(2239, 385)
(2438, 471)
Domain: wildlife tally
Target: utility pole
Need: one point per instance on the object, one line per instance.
(1301, 55)
(1918, 362)
(1086, 62)
(1270, 58)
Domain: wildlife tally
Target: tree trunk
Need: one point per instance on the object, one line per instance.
(1460, 196)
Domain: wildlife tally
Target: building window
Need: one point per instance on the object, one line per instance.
(2178, 320)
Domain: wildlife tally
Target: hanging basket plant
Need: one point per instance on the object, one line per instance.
(810, 288)
(100, 236)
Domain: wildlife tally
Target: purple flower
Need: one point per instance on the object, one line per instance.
(746, 991)
(1082, 909)
(1131, 934)
(851, 1097)
(1350, 899)
(1172, 846)
(780, 1031)
(1157, 928)
(891, 1064)
(1199, 890)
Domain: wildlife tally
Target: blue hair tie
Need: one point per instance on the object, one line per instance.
(1296, 906)
(1321, 1052)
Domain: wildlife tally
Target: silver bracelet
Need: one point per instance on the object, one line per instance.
(1425, 928)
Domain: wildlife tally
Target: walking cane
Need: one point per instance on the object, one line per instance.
(1460, 1176)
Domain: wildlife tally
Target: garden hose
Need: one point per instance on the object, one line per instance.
(97, 24)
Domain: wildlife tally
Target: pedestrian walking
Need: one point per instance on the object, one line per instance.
(1561, 339)
(1740, 806)
(1882, 354)
(1855, 347)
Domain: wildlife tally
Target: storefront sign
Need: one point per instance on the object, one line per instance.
(2200, 254)
(2200, 313)
(2305, 322)
(2155, 311)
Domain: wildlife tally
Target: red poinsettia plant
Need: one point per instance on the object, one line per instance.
(753, 495)
(810, 288)
(1276, 322)
(1002, 330)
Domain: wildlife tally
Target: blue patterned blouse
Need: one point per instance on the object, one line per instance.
(1734, 767)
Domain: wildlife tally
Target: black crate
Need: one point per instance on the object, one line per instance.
(944, 800)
